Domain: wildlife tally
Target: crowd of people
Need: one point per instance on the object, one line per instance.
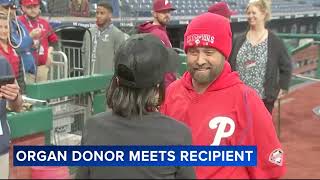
(225, 97)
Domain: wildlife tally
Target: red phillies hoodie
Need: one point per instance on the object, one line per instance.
(226, 104)
(156, 30)
(161, 33)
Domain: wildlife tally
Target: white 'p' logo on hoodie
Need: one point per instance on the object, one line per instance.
(221, 123)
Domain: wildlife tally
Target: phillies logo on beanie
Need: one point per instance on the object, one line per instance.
(198, 39)
(209, 30)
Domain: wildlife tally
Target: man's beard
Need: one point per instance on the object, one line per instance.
(33, 16)
(163, 23)
(207, 77)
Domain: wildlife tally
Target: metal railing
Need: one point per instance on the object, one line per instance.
(60, 66)
(73, 53)
(69, 112)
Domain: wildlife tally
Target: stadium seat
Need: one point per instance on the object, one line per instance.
(195, 7)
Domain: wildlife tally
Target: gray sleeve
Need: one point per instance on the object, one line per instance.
(120, 37)
(85, 53)
(83, 172)
(186, 172)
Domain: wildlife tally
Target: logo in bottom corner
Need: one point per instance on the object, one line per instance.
(276, 157)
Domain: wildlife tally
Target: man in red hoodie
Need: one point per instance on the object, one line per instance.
(218, 107)
(161, 17)
(44, 38)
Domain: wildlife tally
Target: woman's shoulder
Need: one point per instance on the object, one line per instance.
(275, 41)
(98, 119)
(238, 39)
(274, 36)
(240, 36)
(173, 124)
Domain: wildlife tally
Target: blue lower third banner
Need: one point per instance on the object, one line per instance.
(135, 155)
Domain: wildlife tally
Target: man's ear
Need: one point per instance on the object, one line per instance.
(153, 14)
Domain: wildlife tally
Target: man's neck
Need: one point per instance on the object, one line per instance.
(31, 18)
(103, 27)
(155, 22)
(199, 88)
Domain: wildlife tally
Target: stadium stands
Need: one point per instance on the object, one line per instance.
(195, 7)
(142, 8)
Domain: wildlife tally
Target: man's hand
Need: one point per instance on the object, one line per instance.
(282, 93)
(35, 33)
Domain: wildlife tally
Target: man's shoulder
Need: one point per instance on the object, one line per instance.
(43, 21)
(92, 29)
(116, 30)
(247, 92)
(157, 31)
(174, 86)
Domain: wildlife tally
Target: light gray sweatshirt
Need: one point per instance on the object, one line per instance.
(107, 42)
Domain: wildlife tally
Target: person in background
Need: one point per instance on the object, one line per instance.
(260, 57)
(9, 94)
(134, 95)
(161, 17)
(79, 8)
(218, 107)
(19, 39)
(45, 39)
(9, 53)
(106, 39)
(222, 8)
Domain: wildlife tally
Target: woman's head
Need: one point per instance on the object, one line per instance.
(9, 7)
(258, 12)
(140, 65)
(4, 27)
(128, 102)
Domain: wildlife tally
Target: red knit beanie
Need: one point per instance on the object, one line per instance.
(209, 30)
